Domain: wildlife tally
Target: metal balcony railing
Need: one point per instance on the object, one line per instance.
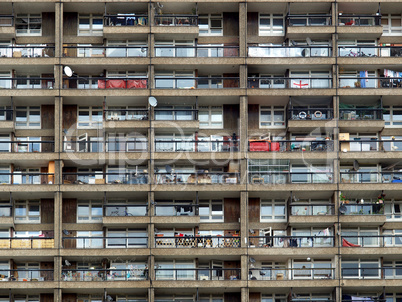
(372, 241)
(105, 51)
(126, 114)
(98, 274)
(108, 178)
(176, 114)
(26, 178)
(196, 146)
(196, 82)
(106, 83)
(125, 20)
(122, 210)
(370, 82)
(105, 242)
(20, 51)
(370, 51)
(274, 177)
(215, 274)
(26, 242)
(364, 209)
(371, 177)
(176, 209)
(27, 146)
(303, 273)
(292, 241)
(6, 20)
(289, 82)
(26, 83)
(27, 274)
(118, 145)
(358, 145)
(292, 146)
(176, 20)
(359, 20)
(369, 271)
(310, 114)
(307, 209)
(6, 210)
(196, 51)
(195, 178)
(361, 114)
(197, 241)
(308, 20)
(289, 51)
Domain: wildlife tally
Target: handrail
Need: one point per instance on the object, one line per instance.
(176, 20)
(105, 274)
(121, 210)
(125, 19)
(196, 146)
(280, 241)
(117, 145)
(197, 241)
(197, 274)
(290, 82)
(196, 82)
(107, 241)
(197, 178)
(196, 51)
(307, 113)
(371, 177)
(291, 146)
(286, 177)
(369, 82)
(289, 51)
(34, 82)
(26, 178)
(309, 209)
(108, 82)
(119, 178)
(361, 113)
(277, 273)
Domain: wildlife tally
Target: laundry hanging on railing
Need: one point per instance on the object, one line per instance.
(363, 74)
(392, 74)
(346, 243)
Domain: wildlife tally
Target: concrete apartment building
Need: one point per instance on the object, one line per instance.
(214, 151)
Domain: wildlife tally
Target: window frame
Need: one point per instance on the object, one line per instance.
(91, 31)
(29, 23)
(27, 218)
(91, 123)
(211, 215)
(209, 30)
(28, 124)
(90, 204)
(273, 203)
(270, 30)
(272, 110)
(209, 124)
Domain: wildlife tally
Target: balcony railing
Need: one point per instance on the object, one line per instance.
(309, 20)
(26, 83)
(196, 51)
(111, 210)
(176, 209)
(291, 274)
(6, 20)
(360, 145)
(126, 20)
(291, 241)
(26, 243)
(111, 178)
(176, 20)
(372, 241)
(289, 51)
(27, 146)
(310, 114)
(126, 114)
(197, 242)
(370, 51)
(104, 274)
(361, 114)
(370, 82)
(196, 146)
(371, 177)
(26, 178)
(369, 271)
(197, 82)
(105, 51)
(197, 178)
(359, 20)
(274, 177)
(6, 211)
(364, 209)
(27, 274)
(105, 242)
(120, 145)
(20, 51)
(106, 83)
(308, 209)
(176, 114)
(286, 82)
(292, 146)
(216, 274)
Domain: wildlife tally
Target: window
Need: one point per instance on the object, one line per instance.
(28, 82)
(89, 211)
(173, 142)
(313, 237)
(271, 24)
(308, 207)
(310, 79)
(28, 117)
(175, 270)
(89, 298)
(272, 117)
(175, 48)
(127, 175)
(85, 240)
(88, 175)
(392, 116)
(27, 271)
(211, 298)
(126, 208)
(5, 177)
(392, 210)
(90, 117)
(174, 113)
(126, 113)
(174, 208)
(28, 24)
(127, 48)
(128, 270)
(313, 269)
(5, 145)
(27, 144)
(351, 79)
(89, 50)
(311, 174)
(5, 209)
(312, 297)
(127, 238)
(211, 81)
(391, 24)
(210, 24)
(5, 82)
(90, 25)
(27, 211)
(392, 237)
(260, 171)
(357, 236)
(211, 210)
(351, 48)
(273, 210)
(274, 298)
(126, 143)
(210, 117)
(122, 298)
(4, 269)
(174, 79)
(361, 269)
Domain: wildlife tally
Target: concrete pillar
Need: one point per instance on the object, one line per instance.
(242, 29)
(58, 34)
(58, 124)
(58, 217)
(244, 222)
(151, 294)
(338, 294)
(244, 294)
(151, 233)
(57, 295)
(151, 77)
(244, 267)
(151, 44)
(151, 207)
(151, 262)
(243, 124)
(57, 268)
(243, 76)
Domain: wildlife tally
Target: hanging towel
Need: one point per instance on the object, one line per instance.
(346, 243)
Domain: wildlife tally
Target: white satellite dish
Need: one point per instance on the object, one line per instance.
(68, 71)
(152, 101)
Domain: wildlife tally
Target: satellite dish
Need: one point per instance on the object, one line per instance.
(308, 40)
(356, 165)
(65, 232)
(342, 209)
(67, 263)
(168, 169)
(68, 71)
(152, 101)
(251, 260)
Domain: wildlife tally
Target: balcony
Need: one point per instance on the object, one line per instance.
(197, 178)
(291, 241)
(124, 210)
(126, 178)
(371, 241)
(370, 51)
(110, 146)
(370, 214)
(196, 146)
(369, 271)
(26, 178)
(96, 275)
(7, 29)
(105, 83)
(27, 275)
(125, 25)
(303, 273)
(26, 83)
(176, 20)
(183, 274)
(197, 82)
(21, 146)
(105, 51)
(20, 51)
(6, 217)
(197, 241)
(364, 26)
(356, 119)
(277, 177)
(289, 83)
(305, 145)
(105, 242)
(289, 52)
(197, 51)
(372, 177)
(370, 82)
(305, 25)
(300, 209)
(372, 145)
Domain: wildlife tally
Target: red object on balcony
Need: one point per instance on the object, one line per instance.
(115, 84)
(136, 84)
(275, 146)
(348, 244)
(101, 84)
(259, 146)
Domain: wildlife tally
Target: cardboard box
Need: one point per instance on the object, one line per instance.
(99, 181)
